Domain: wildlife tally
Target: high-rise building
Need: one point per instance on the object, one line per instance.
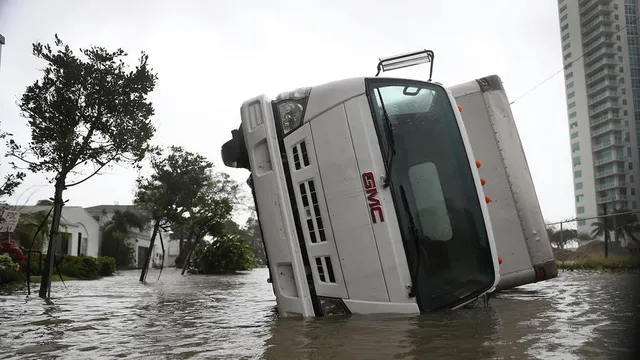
(1, 43)
(601, 51)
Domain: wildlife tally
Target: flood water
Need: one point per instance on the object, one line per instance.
(576, 316)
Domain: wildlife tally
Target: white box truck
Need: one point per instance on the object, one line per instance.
(370, 199)
(368, 196)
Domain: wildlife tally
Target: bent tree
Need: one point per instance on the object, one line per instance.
(86, 113)
(170, 190)
(209, 212)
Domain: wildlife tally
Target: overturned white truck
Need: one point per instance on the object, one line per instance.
(368, 195)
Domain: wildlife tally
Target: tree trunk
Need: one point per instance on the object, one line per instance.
(186, 261)
(181, 239)
(58, 203)
(147, 260)
(184, 248)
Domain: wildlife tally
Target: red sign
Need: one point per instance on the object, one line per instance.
(371, 190)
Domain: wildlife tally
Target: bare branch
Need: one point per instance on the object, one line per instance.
(88, 177)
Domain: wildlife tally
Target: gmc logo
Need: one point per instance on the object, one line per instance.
(371, 189)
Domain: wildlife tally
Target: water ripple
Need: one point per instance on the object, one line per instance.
(234, 317)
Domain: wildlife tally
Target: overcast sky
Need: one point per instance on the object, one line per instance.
(212, 55)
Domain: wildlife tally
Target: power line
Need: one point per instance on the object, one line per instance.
(594, 217)
(571, 63)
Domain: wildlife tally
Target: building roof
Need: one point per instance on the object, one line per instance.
(100, 210)
(66, 209)
(109, 208)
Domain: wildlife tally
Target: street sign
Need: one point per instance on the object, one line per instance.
(9, 220)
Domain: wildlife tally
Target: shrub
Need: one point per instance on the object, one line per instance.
(226, 255)
(9, 271)
(107, 265)
(81, 267)
(614, 263)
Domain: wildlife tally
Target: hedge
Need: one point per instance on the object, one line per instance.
(81, 267)
(600, 263)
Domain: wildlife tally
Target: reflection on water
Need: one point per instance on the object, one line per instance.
(575, 316)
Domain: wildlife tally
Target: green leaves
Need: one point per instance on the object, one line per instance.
(226, 255)
(10, 181)
(177, 179)
(86, 110)
(623, 224)
(115, 234)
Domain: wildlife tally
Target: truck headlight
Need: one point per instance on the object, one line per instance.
(290, 107)
(332, 306)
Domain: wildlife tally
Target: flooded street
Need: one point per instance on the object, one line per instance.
(576, 316)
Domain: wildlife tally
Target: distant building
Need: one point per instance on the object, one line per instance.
(601, 56)
(1, 44)
(139, 240)
(83, 230)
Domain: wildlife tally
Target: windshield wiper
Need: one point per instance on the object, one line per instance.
(391, 151)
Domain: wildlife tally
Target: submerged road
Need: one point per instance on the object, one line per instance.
(576, 316)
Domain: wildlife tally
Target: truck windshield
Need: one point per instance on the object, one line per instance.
(432, 185)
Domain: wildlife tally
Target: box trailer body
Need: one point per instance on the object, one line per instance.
(368, 196)
(516, 219)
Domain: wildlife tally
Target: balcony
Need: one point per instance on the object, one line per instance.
(602, 108)
(587, 5)
(609, 172)
(602, 74)
(603, 118)
(600, 65)
(611, 185)
(608, 159)
(606, 129)
(599, 54)
(607, 143)
(604, 40)
(599, 31)
(600, 20)
(600, 10)
(606, 199)
(612, 83)
(607, 95)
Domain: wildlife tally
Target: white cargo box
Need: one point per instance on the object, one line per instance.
(518, 226)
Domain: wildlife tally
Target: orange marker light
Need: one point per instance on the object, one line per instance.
(483, 181)
(478, 164)
(459, 108)
(487, 199)
(499, 261)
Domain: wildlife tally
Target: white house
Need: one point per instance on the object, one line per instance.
(83, 230)
(139, 240)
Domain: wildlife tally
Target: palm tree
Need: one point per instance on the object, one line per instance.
(621, 224)
(561, 237)
(115, 233)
